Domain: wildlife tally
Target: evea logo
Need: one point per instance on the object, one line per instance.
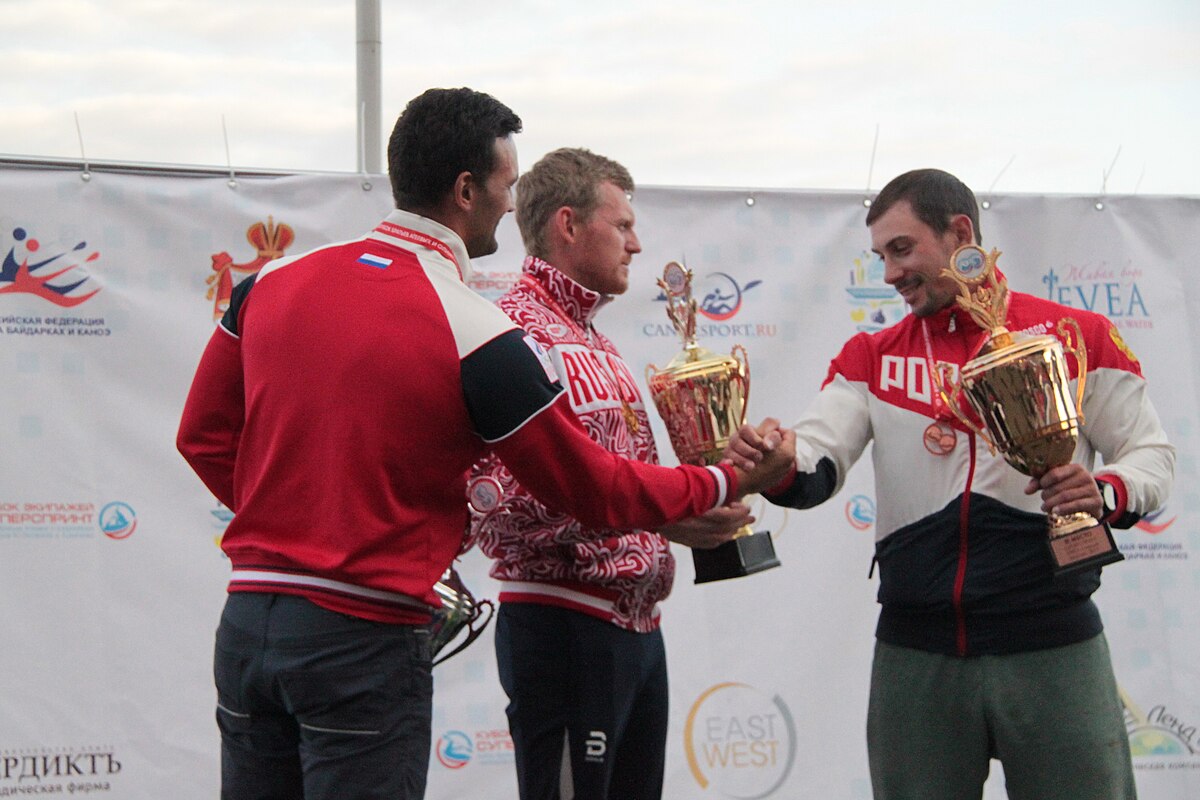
(739, 741)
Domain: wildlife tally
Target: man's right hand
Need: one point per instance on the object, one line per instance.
(762, 456)
(710, 529)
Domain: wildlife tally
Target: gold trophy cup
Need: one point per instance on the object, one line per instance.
(701, 397)
(1020, 388)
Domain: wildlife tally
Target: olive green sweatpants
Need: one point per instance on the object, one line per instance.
(1053, 718)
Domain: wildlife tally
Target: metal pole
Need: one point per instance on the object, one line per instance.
(370, 148)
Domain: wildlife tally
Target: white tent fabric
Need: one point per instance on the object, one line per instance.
(112, 580)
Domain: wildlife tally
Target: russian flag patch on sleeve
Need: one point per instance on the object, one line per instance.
(374, 261)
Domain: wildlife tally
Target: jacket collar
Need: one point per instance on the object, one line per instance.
(444, 240)
(579, 302)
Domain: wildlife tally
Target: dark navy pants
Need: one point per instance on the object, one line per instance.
(316, 705)
(587, 704)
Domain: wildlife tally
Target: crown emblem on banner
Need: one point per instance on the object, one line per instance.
(268, 239)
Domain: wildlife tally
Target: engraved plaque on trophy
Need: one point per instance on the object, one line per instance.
(701, 397)
(1020, 388)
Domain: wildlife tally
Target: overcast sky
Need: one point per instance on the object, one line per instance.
(1027, 96)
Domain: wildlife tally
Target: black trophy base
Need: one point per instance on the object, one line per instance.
(1082, 550)
(736, 558)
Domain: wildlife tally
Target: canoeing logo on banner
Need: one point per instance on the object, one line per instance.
(270, 241)
(873, 304)
(720, 297)
(118, 520)
(740, 741)
(56, 274)
(63, 520)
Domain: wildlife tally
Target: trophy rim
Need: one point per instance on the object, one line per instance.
(1019, 349)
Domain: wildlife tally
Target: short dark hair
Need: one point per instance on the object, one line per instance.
(441, 134)
(935, 197)
(569, 176)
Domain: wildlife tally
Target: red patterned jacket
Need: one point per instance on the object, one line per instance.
(547, 557)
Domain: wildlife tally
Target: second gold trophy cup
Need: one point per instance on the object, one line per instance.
(1019, 387)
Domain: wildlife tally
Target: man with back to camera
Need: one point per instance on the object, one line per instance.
(981, 652)
(578, 644)
(336, 410)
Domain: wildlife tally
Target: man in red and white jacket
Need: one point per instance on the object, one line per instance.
(578, 646)
(981, 650)
(337, 410)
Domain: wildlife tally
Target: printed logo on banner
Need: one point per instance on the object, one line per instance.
(66, 520)
(1161, 739)
(1146, 541)
(61, 279)
(118, 520)
(221, 517)
(493, 284)
(455, 748)
(719, 297)
(58, 770)
(860, 512)
(740, 741)
(873, 304)
(1107, 289)
(270, 240)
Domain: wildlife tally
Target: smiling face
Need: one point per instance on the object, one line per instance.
(914, 256)
(604, 244)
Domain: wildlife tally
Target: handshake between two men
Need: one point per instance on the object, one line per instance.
(762, 457)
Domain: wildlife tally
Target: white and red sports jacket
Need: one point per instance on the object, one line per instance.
(547, 557)
(963, 561)
(344, 397)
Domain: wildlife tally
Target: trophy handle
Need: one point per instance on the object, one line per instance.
(1079, 350)
(745, 376)
(651, 371)
(942, 376)
(473, 632)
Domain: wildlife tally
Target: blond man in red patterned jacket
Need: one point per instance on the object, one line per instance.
(578, 644)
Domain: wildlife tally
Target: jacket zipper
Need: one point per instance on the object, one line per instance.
(960, 577)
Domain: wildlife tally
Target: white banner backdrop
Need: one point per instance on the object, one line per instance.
(112, 580)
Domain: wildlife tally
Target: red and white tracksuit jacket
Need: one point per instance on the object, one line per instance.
(963, 562)
(345, 395)
(552, 558)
